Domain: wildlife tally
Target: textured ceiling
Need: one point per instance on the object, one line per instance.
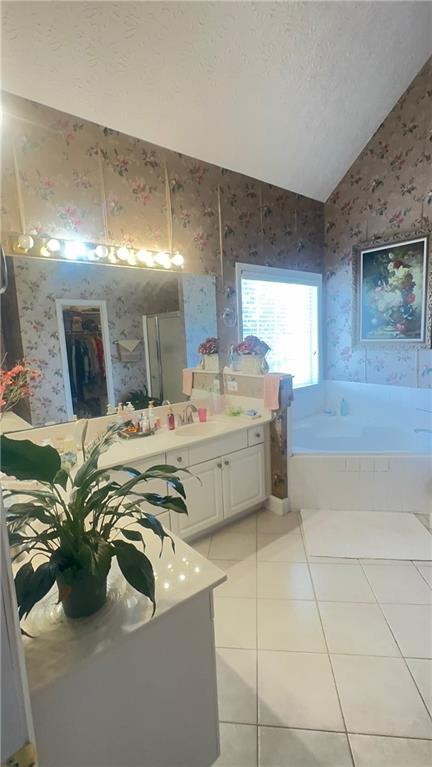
(286, 92)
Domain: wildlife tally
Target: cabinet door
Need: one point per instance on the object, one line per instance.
(243, 479)
(203, 499)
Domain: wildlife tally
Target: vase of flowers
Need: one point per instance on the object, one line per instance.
(78, 520)
(251, 354)
(15, 383)
(209, 350)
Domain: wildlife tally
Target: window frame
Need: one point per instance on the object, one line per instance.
(292, 276)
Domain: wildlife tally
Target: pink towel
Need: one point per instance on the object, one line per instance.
(187, 381)
(271, 390)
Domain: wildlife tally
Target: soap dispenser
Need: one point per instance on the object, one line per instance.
(344, 409)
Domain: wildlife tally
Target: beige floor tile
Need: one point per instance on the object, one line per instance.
(289, 625)
(246, 524)
(360, 629)
(238, 746)
(242, 577)
(278, 547)
(226, 544)
(302, 748)
(332, 560)
(202, 545)
(341, 583)
(283, 580)
(378, 697)
(412, 628)
(398, 584)
(426, 572)
(421, 670)
(268, 522)
(372, 751)
(297, 690)
(237, 685)
(235, 622)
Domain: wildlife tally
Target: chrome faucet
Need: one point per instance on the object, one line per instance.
(186, 416)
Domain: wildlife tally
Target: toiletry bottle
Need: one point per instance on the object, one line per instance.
(171, 419)
(151, 414)
(216, 398)
(344, 409)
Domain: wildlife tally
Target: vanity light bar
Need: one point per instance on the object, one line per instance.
(77, 250)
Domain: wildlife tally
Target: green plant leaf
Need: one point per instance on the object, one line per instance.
(35, 587)
(150, 522)
(165, 502)
(23, 459)
(61, 478)
(136, 568)
(132, 535)
(24, 512)
(22, 579)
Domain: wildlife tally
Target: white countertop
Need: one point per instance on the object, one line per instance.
(128, 451)
(59, 644)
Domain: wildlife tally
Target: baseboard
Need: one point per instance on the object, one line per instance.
(278, 506)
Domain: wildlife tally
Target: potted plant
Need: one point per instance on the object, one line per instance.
(209, 350)
(15, 383)
(251, 353)
(79, 519)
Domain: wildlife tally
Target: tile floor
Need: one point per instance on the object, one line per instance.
(321, 662)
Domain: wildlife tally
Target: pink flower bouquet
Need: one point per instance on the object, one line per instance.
(15, 383)
(209, 346)
(252, 345)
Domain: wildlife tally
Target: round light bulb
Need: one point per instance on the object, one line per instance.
(163, 259)
(25, 242)
(178, 259)
(101, 251)
(132, 260)
(45, 252)
(112, 256)
(74, 249)
(146, 258)
(53, 246)
(123, 253)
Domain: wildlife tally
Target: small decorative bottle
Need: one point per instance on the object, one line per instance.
(171, 419)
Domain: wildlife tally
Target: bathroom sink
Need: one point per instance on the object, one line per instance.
(206, 429)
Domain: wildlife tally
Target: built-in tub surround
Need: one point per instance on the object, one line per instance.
(379, 457)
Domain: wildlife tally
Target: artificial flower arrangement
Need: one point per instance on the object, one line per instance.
(209, 346)
(252, 345)
(15, 383)
(79, 519)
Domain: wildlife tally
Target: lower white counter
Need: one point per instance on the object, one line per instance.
(122, 689)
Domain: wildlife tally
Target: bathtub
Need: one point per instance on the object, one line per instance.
(350, 434)
(357, 463)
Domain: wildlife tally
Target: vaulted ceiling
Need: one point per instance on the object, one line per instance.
(287, 92)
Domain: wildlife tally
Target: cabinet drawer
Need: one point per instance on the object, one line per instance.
(256, 435)
(213, 448)
(178, 458)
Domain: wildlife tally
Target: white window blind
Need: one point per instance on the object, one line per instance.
(284, 314)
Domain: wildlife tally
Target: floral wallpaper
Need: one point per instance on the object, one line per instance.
(128, 296)
(386, 195)
(69, 177)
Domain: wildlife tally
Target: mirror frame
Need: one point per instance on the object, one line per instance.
(62, 303)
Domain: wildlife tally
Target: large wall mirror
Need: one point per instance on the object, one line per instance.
(102, 334)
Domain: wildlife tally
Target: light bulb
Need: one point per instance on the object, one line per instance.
(45, 252)
(25, 242)
(112, 256)
(178, 259)
(163, 259)
(146, 258)
(74, 249)
(131, 260)
(101, 251)
(53, 246)
(123, 253)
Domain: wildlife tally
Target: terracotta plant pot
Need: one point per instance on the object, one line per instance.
(84, 597)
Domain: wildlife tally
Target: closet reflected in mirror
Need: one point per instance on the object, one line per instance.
(84, 341)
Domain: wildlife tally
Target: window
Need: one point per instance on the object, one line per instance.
(282, 307)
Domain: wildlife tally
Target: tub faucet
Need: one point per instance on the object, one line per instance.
(186, 416)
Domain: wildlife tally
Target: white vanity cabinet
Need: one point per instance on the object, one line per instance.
(221, 488)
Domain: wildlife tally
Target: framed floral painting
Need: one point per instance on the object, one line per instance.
(392, 292)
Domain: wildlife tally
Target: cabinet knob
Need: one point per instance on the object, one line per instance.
(179, 460)
(257, 435)
(226, 463)
(219, 465)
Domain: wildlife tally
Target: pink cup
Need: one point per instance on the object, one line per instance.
(202, 414)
